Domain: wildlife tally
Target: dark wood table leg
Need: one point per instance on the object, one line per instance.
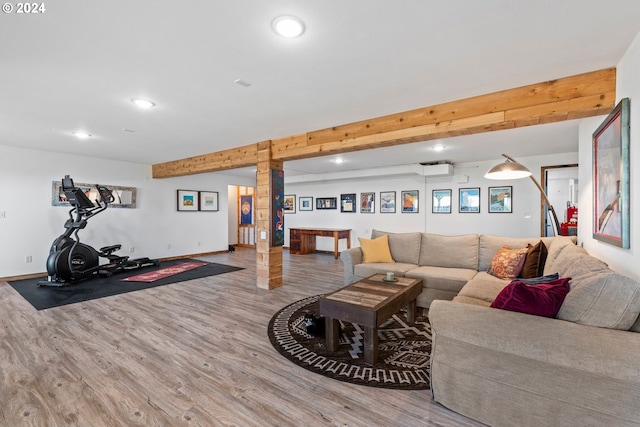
(331, 333)
(411, 312)
(370, 345)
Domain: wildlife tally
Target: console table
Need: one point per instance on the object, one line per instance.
(303, 240)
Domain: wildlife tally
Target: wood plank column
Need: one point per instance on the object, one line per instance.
(268, 258)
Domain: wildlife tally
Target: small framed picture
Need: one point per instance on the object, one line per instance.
(306, 203)
(410, 201)
(469, 200)
(208, 201)
(348, 202)
(500, 199)
(367, 202)
(441, 202)
(326, 203)
(188, 201)
(289, 203)
(387, 202)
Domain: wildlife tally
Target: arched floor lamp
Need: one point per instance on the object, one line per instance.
(511, 169)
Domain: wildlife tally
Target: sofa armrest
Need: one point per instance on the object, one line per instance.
(597, 350)
(350, 258)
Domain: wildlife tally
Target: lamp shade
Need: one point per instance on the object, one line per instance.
(510, 169)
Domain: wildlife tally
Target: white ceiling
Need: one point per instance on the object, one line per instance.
(77, 65)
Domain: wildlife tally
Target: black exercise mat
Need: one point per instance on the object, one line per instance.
(47, 297)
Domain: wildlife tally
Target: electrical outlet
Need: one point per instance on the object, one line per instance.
(28, 259)
(132, 249)
(3, 214)
(199, 242)
(168, 245)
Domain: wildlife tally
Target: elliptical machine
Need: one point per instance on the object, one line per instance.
(71, 261)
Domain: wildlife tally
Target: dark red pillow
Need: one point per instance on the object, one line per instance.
(541, 300)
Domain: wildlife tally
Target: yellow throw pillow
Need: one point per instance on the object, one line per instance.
(375, 250)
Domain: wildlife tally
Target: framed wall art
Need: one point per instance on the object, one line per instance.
(326, 203)
(441, 201)
(469, 200)
(500, 199)
(611, 211)
(125, 197)
(367, 202)
(387, 202)
(306, 203)
(290, 203)
(410, 201)
(208, 201)
(188, 201)
(348, 202)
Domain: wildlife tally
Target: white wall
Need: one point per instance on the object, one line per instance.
(31, 223)
(523, 222)
(627, 86)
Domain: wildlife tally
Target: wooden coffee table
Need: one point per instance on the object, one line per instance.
(369, 303)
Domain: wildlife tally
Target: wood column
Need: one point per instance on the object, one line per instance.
(268, 258)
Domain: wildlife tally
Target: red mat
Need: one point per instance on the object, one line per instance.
(164, 272)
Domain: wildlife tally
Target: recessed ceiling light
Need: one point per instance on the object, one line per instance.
(439, 147)
(82, 135)
(338, 160)
(288, 26)
(143, 103)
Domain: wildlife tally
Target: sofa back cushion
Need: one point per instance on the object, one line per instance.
(449, 251)
(602, 299)
(557, 245)
(490, 244)
(404, 247)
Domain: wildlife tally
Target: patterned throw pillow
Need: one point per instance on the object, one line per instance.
(507, 263)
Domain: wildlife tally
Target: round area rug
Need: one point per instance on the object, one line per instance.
(404, 351)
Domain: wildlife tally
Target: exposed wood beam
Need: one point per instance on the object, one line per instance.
(221, 160)
(568, 98)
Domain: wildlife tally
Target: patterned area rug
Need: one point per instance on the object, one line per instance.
(403, 351)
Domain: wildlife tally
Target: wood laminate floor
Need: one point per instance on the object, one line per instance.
(189, 354)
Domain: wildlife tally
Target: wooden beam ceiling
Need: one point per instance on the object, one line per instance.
(568, 98)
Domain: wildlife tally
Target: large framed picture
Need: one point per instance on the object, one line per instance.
(500, 199)
(611, 211)
(289, 203)
(188, 201)
(387, 202)
(208, 201)
(410, 201)
(441, 202)
(367, 202)
(469, 200)
(306, 203)
(348, 202)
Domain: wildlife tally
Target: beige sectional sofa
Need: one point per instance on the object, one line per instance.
(444, 263)
(505, 368)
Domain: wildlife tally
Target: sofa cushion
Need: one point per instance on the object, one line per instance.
(540, 300)
(575, 262)
(483, 287)
(507, 263)
(449, 251)
(397, 268)
(607, 300)
(534, 261)
(404, 247)
(489, 245)
(555, 247)
(448, 279)
(375, 250)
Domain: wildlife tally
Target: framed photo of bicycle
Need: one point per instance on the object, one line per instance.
(611, 211)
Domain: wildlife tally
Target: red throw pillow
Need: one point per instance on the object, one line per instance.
(541, 300)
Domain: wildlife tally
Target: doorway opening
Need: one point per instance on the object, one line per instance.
(560, 183)
(242, 219)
